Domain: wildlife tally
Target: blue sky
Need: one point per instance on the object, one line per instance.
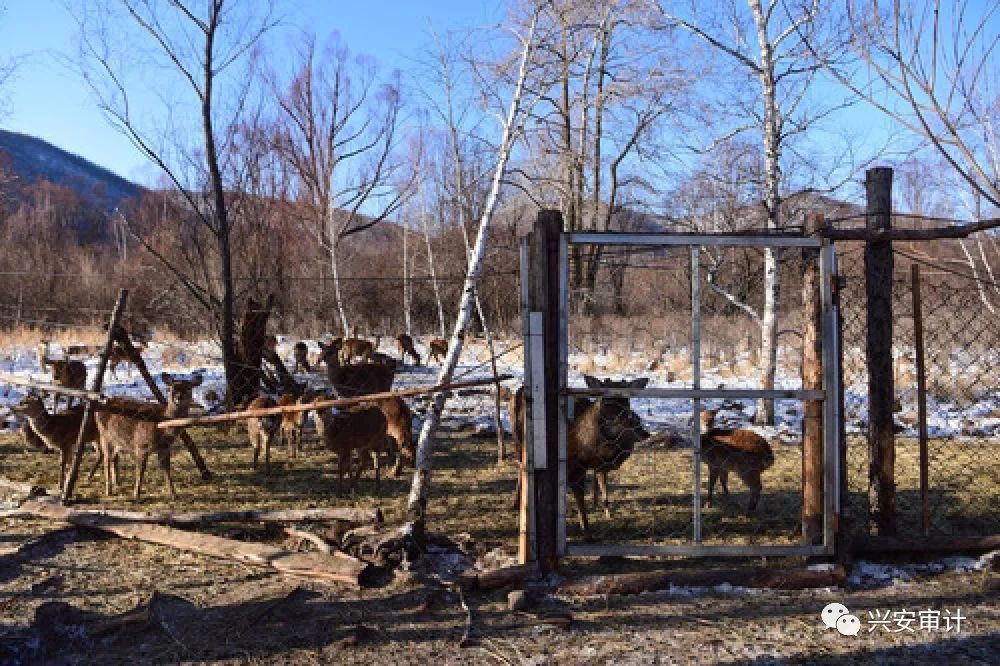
(47, 99)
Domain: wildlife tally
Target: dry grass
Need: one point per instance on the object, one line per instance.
(29, 336)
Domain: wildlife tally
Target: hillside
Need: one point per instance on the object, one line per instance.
(32, 159)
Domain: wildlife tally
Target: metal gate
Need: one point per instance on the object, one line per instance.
(695, 393)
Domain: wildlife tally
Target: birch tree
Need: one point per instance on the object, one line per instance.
(341, 135)
(765, 41)
(510, 129)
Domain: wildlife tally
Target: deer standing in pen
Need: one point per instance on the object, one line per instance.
(406, 346)
(351, 381)
(68, 373)
(293, 422)
(361, 430)
(57, 432)
(601, 438)
(127, 425)
(352, 348)
(437, 349)
(263, 430)
(743, 452)
(300, 353)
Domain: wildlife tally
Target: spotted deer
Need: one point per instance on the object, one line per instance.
(57, 432)
(127, 425)
(359, 348)
(399, 426)
(743, 452)
(300, 352)
(293, 422)
(351, 381)
(361, 430)
(68, 373)
(263, 430)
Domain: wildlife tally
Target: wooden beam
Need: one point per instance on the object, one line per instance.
(324, 404)
(812, 379)
(48, 387)
(934, 233)
(759, 577)
(881, 392)
(201, 518)
(336, 568)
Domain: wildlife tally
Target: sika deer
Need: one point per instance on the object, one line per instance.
(292, 422)
(42, 354)
(741, 451)
(363, 430)
(71, 374)
(356, 348)
(437, 348)
(301, 354)
(399, 426)
(263, 430)
(130, 425)
(351, 381)
(58, 432)
(600, 438)
(405, 343)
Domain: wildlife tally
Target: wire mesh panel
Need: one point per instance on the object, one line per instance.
(656, 336)
(960, 337)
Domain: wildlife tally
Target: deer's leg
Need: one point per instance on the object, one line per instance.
(724, 479)
(713, 474)
(107, 473)
(576, 481)
(140, 471)
(753, 480)
(601, 481)
(163, 456)
(63, 459)
(377, 469)
(255, 443)
(267, 452)
(97, 463)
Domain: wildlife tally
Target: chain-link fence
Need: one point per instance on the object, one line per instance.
(960, 336)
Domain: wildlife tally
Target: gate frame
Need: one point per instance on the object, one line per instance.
(535, 385)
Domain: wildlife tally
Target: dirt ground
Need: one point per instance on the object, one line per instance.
(65, 599)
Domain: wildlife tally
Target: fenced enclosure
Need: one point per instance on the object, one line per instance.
(941, 301)
(657, 475)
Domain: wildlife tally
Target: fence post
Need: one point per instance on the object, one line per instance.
(88, 410)
(543, 297)
(812, 380)
(881, 391)
(918, 360)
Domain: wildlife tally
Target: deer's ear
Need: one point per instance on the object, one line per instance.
(592, 382)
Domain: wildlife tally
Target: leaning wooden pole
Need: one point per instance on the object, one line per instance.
(881, 390)
(125, 342)
(812, 379)
(88, 410)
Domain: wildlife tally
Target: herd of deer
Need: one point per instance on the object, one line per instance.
(600, 438)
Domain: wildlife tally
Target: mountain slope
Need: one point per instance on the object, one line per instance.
(32, 159)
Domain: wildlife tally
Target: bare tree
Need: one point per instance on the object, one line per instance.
(511, 123)
(341, 137)
(766, 42)
(202, 43)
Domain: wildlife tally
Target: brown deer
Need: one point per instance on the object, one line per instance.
(120, 355)
(293, 422)
(351, 381)
(300, 352)
(399, 426)
(30, 438)
(356, 348)
(130, 425)
(437, 348)
(57, 432)
(741, 451)
(42, 354)
(600, 438)
(362, 430)
(405, 344)
(71, 374)
(263, 430)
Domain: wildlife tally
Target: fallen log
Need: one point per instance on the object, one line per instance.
(196, 518)
(20, 488)
(338, 567)
(885, 545)
(494, 579)
(316, 540)
(649, 581)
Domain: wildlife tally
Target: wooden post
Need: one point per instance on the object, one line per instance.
(881, 390)
(123, 340)
(543, 296)
(812, 380)
(88, 410)
(918, 336)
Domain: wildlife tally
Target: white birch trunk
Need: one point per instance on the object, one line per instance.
(336, 291)
(417, 502)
